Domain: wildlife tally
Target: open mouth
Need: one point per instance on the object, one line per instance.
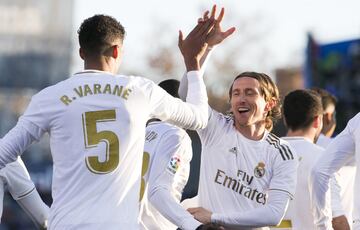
(243, 110)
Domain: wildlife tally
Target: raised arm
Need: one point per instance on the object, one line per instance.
(194, 45)
(216, 36)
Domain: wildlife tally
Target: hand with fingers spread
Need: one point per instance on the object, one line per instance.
(217, 35)
(201, 214)
(194, 45)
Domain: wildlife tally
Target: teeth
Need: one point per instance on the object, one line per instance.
(243, 109)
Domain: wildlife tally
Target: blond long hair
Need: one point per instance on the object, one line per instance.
(269, 91)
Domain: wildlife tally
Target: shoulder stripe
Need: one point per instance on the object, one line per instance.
(285, 151)
(274, 136)
(284, 147)
(275, 145)
(287, 147)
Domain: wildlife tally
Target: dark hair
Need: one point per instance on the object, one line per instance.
(269, 91)
(327, 98)
(98, 33)
(171, 86)
(300, 107)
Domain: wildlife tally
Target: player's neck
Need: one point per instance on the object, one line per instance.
(101, 65)
(253, 132)
(301, 133)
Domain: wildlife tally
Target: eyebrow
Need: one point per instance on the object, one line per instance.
(246, 89)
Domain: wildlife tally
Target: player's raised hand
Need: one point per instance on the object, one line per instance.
(195, 44)
(217, 34)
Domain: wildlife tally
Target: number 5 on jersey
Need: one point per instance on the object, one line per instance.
(93, 138)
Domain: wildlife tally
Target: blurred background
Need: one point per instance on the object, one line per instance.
(299, 43)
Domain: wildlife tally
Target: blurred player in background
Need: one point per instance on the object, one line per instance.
(346, 175)
(17, 180)
(303, 114)
(166, 166)
(329, 116)
(96, 121)
(341, 150)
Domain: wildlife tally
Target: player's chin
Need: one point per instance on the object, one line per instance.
(242, 119)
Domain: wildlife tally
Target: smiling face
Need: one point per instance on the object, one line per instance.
(247, 102)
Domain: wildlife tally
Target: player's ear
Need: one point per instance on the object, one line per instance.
(115, 51)
(317, 123)
(270, 104)
(327, 118)
(81, 53)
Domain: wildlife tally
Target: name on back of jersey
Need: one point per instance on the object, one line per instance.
(95, 89)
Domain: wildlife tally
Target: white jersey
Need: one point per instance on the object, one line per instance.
(16, 179)
(323, 140)
(346, 179)
(237, 173)
(96, 121)
(343, 149)
(300, 207)
(166, 165)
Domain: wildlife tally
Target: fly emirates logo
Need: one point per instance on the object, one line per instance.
(240, 185)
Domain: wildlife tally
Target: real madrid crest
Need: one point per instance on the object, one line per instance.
(259, 170)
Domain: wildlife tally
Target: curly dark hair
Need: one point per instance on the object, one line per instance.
(98, 33)
(269, 91)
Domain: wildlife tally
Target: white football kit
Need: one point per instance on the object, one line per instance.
(346, 179)
(343, 149)
(166, 164)
(239, 175)
(96, 122)
(300, 207)
(323, 140)
(17, 180)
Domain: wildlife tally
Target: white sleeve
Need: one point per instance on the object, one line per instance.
(17, 179)
(190, 115)
(173, 148)
(270, 214)
(339, 151)
(336, 205)
(15, 143)
(285, 167)
(26, 131)
(183, 87)
(35, 208)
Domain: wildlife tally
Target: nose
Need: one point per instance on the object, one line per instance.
(241, 97)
